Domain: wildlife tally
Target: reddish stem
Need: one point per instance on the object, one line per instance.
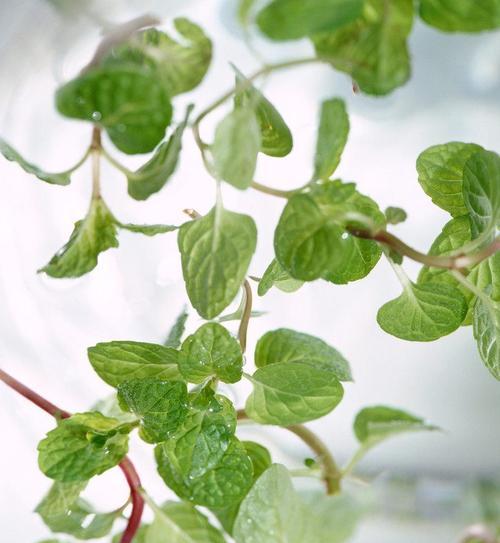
(126, 465)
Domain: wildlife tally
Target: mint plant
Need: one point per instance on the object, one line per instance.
(170, 394)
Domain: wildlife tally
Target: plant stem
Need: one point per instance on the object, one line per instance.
(275, 192)
(330, 471)
(95, 152)
(245, 317)
(126, 465)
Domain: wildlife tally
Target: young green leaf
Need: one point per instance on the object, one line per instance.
(311, 242)
(272, 511)
(375, 424)
(440, 173)
(216, 486)
(236, 145)
(211, 352)
(119, 361)
(63, 178)
(152, 176)
(148, 229)
(216, 251)
(276, 276)
(373, 49)
(179, 66)
(287, 393)
(90, 237)
(332, 137)
(293, 19)
(276, 138)
(423, 312)
(284, 345)
(179, 522)
(395, 215)
(129, 102)
(82, 446)
(161, 405)
(486, 326)
(177, 331)
(481, 191)
(461, 15)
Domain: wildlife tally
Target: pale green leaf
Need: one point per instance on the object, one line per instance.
(481, 191)
(440, 173)
(486, 326)
(211, 352)
(284, 345)
(216, 251)
(332, 137)
(311, 241)
(128, 101)
(423, 312)
(82, 446)
(272, 511)
(244, 11)
(461, 15)
(148, 229)
(90, 237)
(59, 498)
(395, 215)
(118, 361)
(11, 154)
(293, 19)
(236, 145)
(176, 332)
(373, 49)
(276, 138)
(276, 276)
(160, 405)
(152, 176)
(287, 393)
(179, 522)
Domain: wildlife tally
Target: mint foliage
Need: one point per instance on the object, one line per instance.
(175, 334)
(82, 446)
(276, 276)
(461, 15)
(395, 215)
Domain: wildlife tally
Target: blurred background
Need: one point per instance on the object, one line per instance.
(428, 486)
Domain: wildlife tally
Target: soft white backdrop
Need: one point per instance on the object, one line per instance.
(137, 290)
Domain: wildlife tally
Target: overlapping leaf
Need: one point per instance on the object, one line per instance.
(461, 15)
(276, 276)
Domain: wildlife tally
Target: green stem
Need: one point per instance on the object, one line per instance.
(331, 474)
(95, 152)
(245, 317)
(276, 192)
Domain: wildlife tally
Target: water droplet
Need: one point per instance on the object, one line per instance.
(345, 235)
(96, 116)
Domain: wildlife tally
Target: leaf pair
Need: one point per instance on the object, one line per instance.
(297, 379)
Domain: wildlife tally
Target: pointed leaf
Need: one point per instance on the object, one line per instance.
(177, 331)
(276, 276)
(216, 251)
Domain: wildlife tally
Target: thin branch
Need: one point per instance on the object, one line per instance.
(274, 192)
(330, 471)
(126, 465)
(95, 151)
(245, 317)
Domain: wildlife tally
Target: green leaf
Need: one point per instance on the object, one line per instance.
(461, 15)
(272, 511)
(486, 326)
(293, 19)
(59, 497)
(481, 190)
(161, 405)
(395, 215)
(332, 137)
(216, 251)
(90, 237)
(284, 345)
(440, 173)
(286, 393)
(276, 276)
(375, 424)
(373, 49)
(128, 101)
(178, 522)
(423, 312)
(152, 176)
(211, 352)
(148, 229)
(11, 154)
(176, 332)
(118, 361)
(276, 138)
(236, 145)
(179, 66)
(82, 446)
(311, 241)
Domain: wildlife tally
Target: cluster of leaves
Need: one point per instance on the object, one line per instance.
(169, 395)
